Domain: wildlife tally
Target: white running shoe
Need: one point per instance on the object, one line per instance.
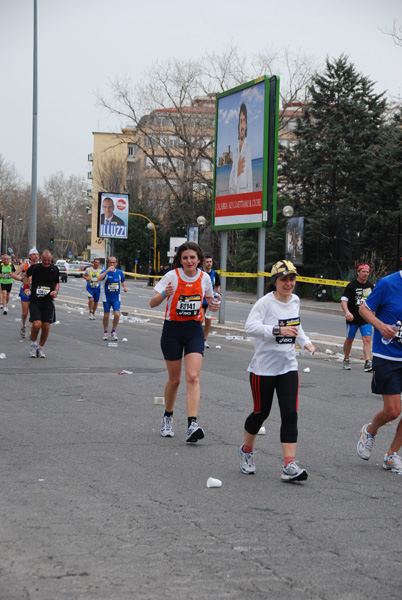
(247, 464)
(106, 335)
(32, 352)
(5, 310)
(114, 337)
(293, 473)
(365, 443)
(393, 463)
(23, 331)
(194, 433)
(167, 427)
(40, 353)
(206, 345)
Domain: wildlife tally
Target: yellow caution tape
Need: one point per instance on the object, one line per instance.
(333, 282)
(130, 274)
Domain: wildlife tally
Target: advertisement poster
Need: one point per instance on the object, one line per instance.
(112, 215)
(192, 235)
(294, 240)
(239, 156)
(244, 129)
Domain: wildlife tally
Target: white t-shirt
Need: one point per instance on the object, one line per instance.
(274, 355)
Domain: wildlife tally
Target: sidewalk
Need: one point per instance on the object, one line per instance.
(330, 308)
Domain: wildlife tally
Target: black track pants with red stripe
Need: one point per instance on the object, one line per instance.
(287, 391)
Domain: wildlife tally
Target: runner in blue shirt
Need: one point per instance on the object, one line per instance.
(383, 310)
(112, 278)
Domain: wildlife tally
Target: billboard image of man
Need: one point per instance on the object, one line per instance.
(109, 224)
(241, 176)
(108, 217)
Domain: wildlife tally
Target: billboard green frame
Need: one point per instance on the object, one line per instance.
(252, 202)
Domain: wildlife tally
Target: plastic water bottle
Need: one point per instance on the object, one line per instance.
(395, 328)
(112, 344)
(209, 314)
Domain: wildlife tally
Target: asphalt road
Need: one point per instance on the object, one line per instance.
(96, 505)
(324, 318)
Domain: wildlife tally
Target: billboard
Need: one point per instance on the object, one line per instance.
(112, 215)
(246, 144)
(295, 240)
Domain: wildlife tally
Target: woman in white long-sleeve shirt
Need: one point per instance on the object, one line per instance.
(274, 322)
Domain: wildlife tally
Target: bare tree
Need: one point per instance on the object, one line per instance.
(395, 33)
(67, 218)
(14, 208)
(169, 117)
(295, 70)
(110, 173)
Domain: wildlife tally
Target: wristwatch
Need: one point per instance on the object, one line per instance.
(276, 330)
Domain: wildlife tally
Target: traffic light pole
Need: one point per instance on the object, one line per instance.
(72, 242)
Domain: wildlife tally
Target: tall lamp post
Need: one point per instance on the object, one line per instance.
(287, 212)
(150, 226)
(201, 222)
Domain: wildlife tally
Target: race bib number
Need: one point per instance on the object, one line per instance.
(113, 287)
(362, 295)
(42, 291)
(94, 284)
(282, 339)
(188, 306)
(6, 276)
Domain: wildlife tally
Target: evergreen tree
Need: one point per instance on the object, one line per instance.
(331, 170)
(385, 220)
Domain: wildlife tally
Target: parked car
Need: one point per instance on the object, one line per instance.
(61, 265)
(77, 268)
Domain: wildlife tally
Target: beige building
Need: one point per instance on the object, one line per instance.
(109, 173)
(169, 152)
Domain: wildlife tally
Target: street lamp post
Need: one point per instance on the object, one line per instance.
(150, 226)
(201, 220)
(288, 213)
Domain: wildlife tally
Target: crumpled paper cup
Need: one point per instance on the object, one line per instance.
(212, 482)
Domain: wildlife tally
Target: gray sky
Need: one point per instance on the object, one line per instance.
(85, 43)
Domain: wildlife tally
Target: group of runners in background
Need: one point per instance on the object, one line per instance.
(274, 322)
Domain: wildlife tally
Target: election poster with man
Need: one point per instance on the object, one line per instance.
(112, 215)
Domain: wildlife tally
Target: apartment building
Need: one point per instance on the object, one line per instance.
(169, 152)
